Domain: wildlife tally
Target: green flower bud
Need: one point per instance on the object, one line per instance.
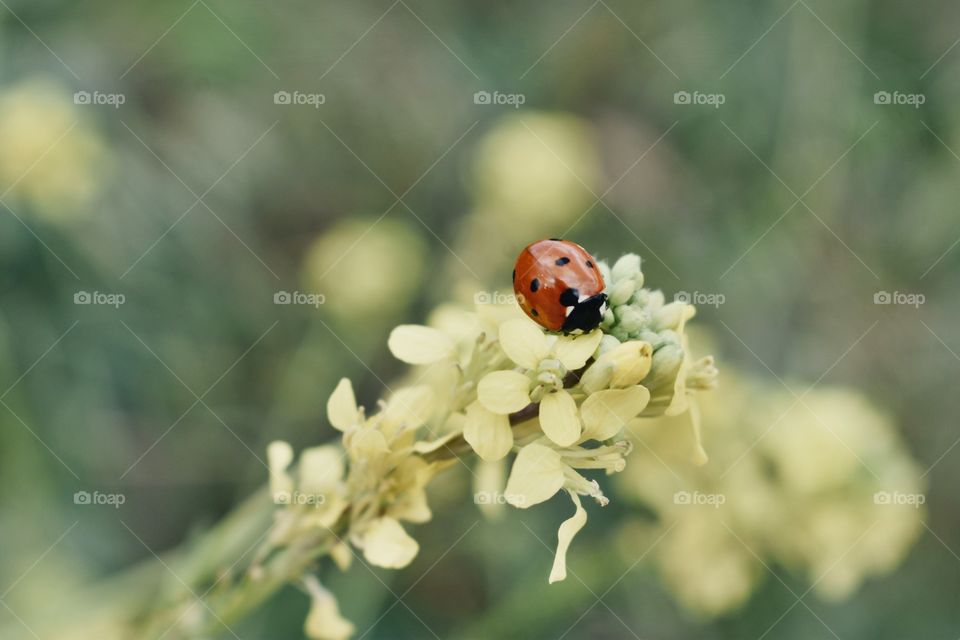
(670, 316)
(640, 297)
(632, 319)
(608, 318)
(626, 267)
(621, 292)
(664, 368)
(598, 375)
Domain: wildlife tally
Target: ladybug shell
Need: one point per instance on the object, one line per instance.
(551, 278)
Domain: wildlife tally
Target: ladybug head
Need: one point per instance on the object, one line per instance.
(586, 315)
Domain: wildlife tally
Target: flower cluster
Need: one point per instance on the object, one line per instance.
(493, 381)
(820, 485)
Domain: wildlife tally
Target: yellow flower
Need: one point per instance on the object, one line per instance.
(537, 474)
(546, 360)
(367, 269)
(533, 169)
(386, 481)
(541, 470)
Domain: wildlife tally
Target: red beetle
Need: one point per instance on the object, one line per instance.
(559, 286)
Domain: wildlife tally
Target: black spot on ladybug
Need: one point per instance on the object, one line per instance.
(514, 276)
(534, 285)
(589, 264)
(569, 297)
(562, 261)
(534, 312)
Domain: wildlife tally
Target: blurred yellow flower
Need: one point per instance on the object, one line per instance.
(366, 269)
(50, 160)
(822, 486)
(537, 166)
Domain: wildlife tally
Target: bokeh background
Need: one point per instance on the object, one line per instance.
(149, 166)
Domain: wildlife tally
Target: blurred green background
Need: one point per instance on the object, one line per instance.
(195, 160)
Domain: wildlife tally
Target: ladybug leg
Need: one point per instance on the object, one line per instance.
(586, 314)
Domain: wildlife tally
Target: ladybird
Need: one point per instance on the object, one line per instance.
(559, 286)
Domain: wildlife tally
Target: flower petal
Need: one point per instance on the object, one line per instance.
(409, 407)
(429, 446)
(679, 402)
(279, 457)
(504, 391)
(387, 545)
(568, 529)
(700, 456)
(367, 444)
(410, 477)
(412, 506)
(416, 344)
(324, 621)
(605, 412)
(342, 555)
(321, 468)
(559, 419)
(523, 342)
(342, 409)
(537, 474)
(488, 433)
(574, 351)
